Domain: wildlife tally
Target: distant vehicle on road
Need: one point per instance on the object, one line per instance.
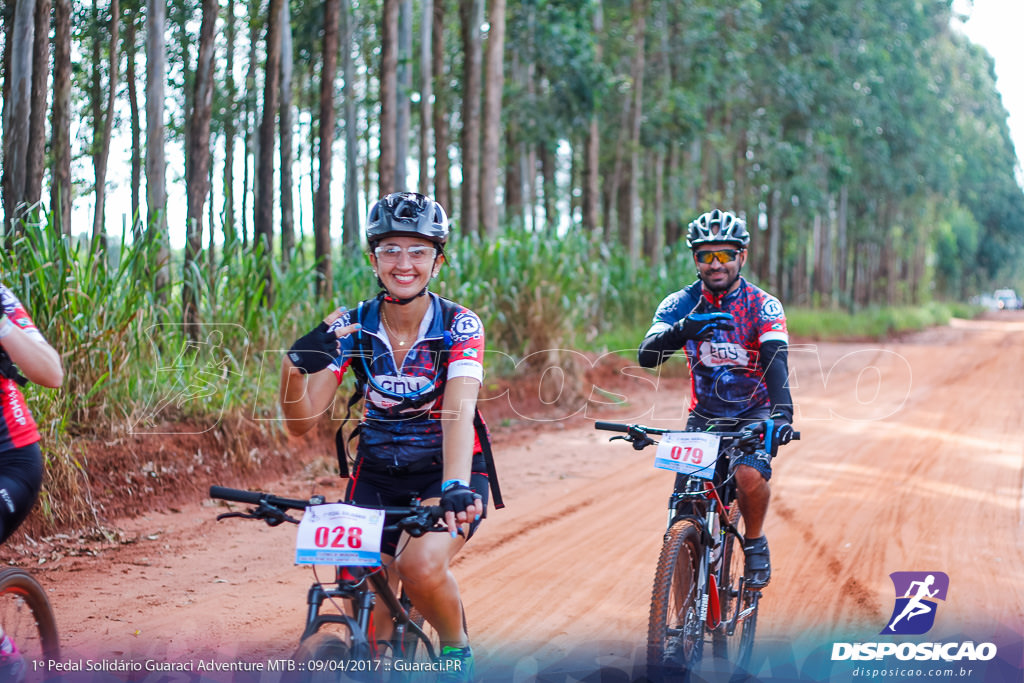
(1007, 300)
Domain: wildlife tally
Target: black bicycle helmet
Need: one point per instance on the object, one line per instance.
(407, 213)
(717, 226)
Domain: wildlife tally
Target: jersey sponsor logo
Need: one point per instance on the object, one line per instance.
(17, 410)
(771, 308)
(396, 384)
(469, 353)
(719, 353)
(466, 326)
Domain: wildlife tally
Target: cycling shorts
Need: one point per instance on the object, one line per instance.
(21, 478)
(371, 485)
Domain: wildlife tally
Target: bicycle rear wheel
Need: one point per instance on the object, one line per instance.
(26, 616)
(735, 648)
(675, 633)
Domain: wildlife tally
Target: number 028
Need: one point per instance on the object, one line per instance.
(687, 454)
(338, 537)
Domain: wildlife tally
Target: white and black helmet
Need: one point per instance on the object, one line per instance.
(717, 226)
(407, 213)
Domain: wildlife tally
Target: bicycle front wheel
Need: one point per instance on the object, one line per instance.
(675, 632)
(26, 616)
(737, 646)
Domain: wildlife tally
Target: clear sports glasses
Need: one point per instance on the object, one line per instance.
(418, 254)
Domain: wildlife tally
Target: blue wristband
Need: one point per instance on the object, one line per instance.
(453, 482)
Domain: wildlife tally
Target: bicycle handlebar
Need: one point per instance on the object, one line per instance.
(638, 434)
(413, 519)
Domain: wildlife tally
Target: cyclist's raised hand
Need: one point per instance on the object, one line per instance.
(461, 505)
(701, 326)
(315, 350)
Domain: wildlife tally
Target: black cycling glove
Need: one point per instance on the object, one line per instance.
(701, 326)
(458, 498)
(315, 350)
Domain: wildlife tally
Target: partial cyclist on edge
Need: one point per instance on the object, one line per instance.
(736, 343)
(418, 359)
(25, 356)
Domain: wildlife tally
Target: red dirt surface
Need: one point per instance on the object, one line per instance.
(912, 458)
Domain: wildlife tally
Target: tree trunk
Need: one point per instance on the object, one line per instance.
(102, 155)
(322, 197)
(442, 166)
(469, 192)
(388, 98)
(286, 152)
(426, 92)
(17, 113)
(403, 90)
(230, 128)
(60, 124)
(197, 165)
(37, 119)
(156, 165)
(136, 127)
(592, 149)
(352, 222)
(628, 187)
(249, 158)
(495, 85)
(263, 228)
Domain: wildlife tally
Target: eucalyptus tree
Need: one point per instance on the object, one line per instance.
(197, 164)
(36, 162)
(134, 14)
(156, 167)
(17, 109)
(263, 222)
(287, 159)
(60, 117)
(388, 78)
(322, 198)
(494, 86)
(470, 18)
(103, 114)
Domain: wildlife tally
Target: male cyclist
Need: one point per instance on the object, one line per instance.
(736, 343)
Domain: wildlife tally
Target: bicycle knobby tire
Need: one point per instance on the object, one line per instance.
(735, 648)
(675, 633)
(26, 615)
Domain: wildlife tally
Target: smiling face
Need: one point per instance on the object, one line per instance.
(716, 275)
(405, 264)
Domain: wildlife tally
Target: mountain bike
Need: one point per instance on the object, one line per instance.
(700, 592)
(28, 621)
(340, 638)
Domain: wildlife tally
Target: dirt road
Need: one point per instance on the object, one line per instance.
(912, 459)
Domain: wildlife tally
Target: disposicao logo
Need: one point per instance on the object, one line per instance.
(917, 596)
(917, 600)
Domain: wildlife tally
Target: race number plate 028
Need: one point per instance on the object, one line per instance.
(693, 453)
(339, 534)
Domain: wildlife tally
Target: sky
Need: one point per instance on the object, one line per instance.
(996, 25)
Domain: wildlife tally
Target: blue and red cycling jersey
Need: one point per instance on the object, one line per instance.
(413, 434)
(17, 428)
(726, 372)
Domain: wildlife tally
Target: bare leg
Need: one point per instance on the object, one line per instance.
(752, 494)
(423, 566)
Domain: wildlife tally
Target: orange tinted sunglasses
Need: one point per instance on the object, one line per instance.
(709, 256)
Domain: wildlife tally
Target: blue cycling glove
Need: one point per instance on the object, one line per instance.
(702, 326)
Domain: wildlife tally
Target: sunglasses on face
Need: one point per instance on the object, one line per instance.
(709, 256)
(418, 254)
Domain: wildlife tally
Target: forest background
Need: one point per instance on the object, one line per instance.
(572, 140)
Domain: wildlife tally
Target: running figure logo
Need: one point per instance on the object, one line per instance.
(917, 594)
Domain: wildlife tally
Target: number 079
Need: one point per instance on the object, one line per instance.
(687, 454)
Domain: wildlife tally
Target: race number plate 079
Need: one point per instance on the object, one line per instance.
(339, 534)
(693, 453)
